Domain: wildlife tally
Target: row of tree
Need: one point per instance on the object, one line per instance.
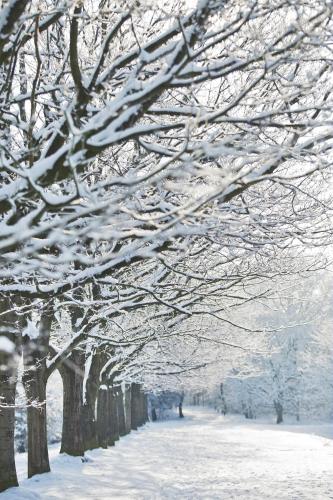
(158, 168)
(97, 409)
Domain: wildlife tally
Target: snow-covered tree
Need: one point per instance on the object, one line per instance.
(153, 160)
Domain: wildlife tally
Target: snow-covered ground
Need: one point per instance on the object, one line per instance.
(204, 456)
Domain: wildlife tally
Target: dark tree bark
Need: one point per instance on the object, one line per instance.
(89, 423)
(103, 416)
(224, 407)
(34, 381)
(72, 372)
(8, 476)
(143, 408)
(180, 406)
(140, 416)
(35, 389)
(121, 412)
(9, 356)
(153, 415)
(146, 408)
(135, 406)
(89, 417)
(279, 412)
(113, 416)
(127, 408)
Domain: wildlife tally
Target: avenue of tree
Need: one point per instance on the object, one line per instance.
(158, 165)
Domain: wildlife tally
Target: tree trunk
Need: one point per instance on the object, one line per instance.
(127, 408)
(34, 381)
(121, 412)
(140, 409)
(143, 400)
(113, 416)
(8, 476)
(135, 406)
(279, 412)
(89, 418)
(138, 406)
(144, 403)
(35, 389)
(9, 356)
(146, 408)
(72, 375)
(180, 406)
(223, 400)
(90, 440)
(298, 418)
(103, 416)
(72, 371)
(91, 434)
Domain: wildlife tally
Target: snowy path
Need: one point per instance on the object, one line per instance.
(203, 456)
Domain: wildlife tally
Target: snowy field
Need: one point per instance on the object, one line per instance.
(204, 456)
